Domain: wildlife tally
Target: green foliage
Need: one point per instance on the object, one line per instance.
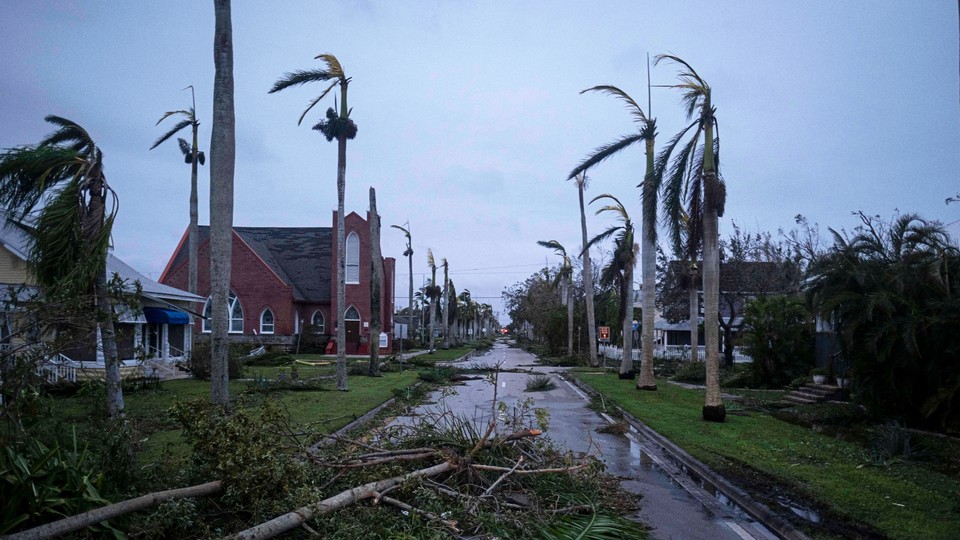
(247, 449)
(540, 383)
(691, 372)
(595, 526)
(779, 337)
(312, 341)
(891, 442)
(200, 361)
(39, 484)
(818, 467)
(896, 303)
(438, 374)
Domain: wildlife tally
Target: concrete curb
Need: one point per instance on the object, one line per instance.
(365, 418)
(757, 510)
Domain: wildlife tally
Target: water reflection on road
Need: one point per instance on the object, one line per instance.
(674, 505)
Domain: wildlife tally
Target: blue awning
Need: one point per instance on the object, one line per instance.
(165, 316)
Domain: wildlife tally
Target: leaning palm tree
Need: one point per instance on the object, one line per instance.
(222, 162)
(693, 174)
(620, 269)
(646, 134)
(61, 182)
(339, 126)
(433, 292)
(409, 255)
(582, 182)
(194, 157)
(565, 279)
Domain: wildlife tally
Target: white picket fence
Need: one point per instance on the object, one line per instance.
(674, 352)
(58, 368)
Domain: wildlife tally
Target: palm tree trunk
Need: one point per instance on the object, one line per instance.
(194, 232)
(222, 157)
(626, 297)
(713, 409)
(376, 276)
(341, 371)
(446, 308)
(588, 284)
(569, 281)
(410, 298)
(648, 270)
(693, 294)
(108, 340)
(433, 308)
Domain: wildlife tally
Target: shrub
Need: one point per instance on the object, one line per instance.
(41, 484)
(778, 334)
(692, 372)
(438, 374)
(200, 361)
(312, 341)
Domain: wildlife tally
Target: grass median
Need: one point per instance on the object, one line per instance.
(778, 463)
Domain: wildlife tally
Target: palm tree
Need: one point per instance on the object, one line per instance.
(446, 301)
(222, 162)
(433, 292)
(409, 254)
(62, 179)
(452, 308)
(694, 175)
(465, 310)
(620, 269)
(646, 134)
(337, 125)
(193, 156)
(376, 278)
(582, 182)
(565, 279)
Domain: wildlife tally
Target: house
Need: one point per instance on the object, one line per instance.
(740, 282)
(284, 282)
(159, 332)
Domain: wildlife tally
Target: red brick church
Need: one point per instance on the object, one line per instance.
(285, 278)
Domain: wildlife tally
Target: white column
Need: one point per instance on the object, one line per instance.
(165, 348)
(188, 340)
(100, 357)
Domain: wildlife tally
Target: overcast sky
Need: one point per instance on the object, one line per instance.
(470, 119)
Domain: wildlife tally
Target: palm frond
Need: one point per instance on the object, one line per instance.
(27, 174)
(314, 102)
(333, 65)
(69, 133)
(303, 76)
(185, 148)
(430, 261)
(603, 152)
(173, 131)
(405, 232)
(171, 113)
(602, 236)
(632, 107)
(554, 245)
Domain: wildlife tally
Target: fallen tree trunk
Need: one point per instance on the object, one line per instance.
(81, 521)
(294, 519)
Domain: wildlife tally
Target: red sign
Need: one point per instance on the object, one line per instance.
(604, 333)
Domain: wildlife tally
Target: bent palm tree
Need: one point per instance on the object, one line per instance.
(339, 126)
(620, 270)
(650, 186)
(694, 175)
(62, 179)
(565, 279)
(192, 156)
(582, 181)
(408, 253)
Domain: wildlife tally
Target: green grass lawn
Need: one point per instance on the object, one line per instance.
(326, 410)
(903, 500)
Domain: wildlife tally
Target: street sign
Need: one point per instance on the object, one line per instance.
(604, 333)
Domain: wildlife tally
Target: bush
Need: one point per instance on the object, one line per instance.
(42, 484)
(312, 341)
(691, 372)
(778, 335)
(540, 383)
(200, 361)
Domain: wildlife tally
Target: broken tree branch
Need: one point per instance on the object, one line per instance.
(81, 521)
(294, 519)
(448, 523)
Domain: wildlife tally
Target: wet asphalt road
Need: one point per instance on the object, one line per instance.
(672, 504)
